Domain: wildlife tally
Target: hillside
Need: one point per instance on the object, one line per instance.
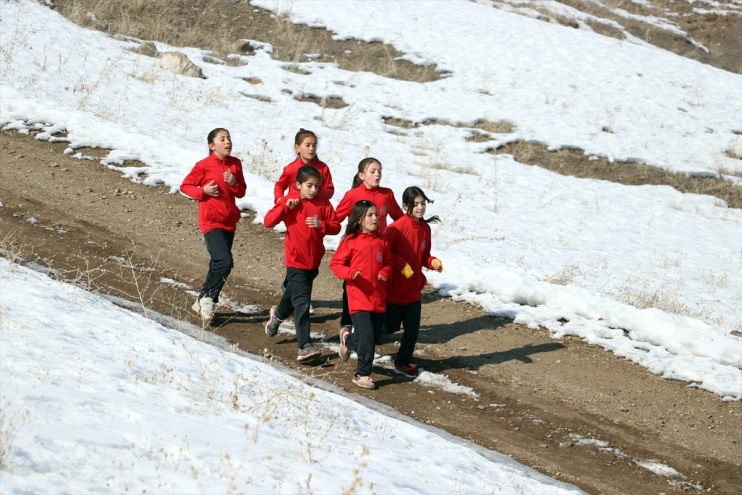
(548, 403)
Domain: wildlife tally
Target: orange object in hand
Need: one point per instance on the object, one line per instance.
(437, 265)
(407, 271)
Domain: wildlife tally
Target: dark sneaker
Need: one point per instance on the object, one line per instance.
(271, 326)
(307, 352)
(364, 382)
(344, 351)
(409, 370)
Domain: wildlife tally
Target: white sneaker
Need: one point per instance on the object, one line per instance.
(207, 309)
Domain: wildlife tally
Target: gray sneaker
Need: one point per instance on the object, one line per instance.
(206, 309)
(308, 352)
(271, 326)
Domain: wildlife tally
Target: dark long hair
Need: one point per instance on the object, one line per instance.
(408, 201)
(360, 208)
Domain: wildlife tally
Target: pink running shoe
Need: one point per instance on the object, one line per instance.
(344, 351)
(364, 381)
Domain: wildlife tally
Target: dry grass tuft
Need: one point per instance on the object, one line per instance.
(334, 102)
(401, 123)
(576, 163)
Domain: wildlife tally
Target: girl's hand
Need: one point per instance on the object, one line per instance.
(381, 277)
(313, 222)
(229, 177)
(437, 265)
(355, 275)
(211, 189)
(291, 203)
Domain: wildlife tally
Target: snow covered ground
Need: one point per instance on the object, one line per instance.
(649, 273)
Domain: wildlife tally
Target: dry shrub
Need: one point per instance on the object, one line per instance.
(396, 122)
(217, 25)
(334, 102)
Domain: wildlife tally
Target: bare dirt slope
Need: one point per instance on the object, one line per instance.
(538, 397)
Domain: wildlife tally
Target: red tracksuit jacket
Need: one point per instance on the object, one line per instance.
(409, 241)
(303, 247)
(288, 179)
(216, 212)
(382, 197)
(369, 254)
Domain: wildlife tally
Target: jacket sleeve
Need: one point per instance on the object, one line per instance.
(191, 185)
(275, 214)
(344, 207)
(340, 261)
(328, 188)
(386, 269)
(393, 207)
(426, 257)
(281, 185)
(239, 188)
(330, 222)
(392, 234)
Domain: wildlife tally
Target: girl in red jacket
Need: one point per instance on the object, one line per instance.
(308, 218)
(363, 261)
(366, 186)
(409, 240)
(215, 182)
(305, 145)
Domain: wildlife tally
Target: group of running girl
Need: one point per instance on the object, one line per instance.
(381, 267)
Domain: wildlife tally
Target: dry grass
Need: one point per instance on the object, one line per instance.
(576, 163)
(220, 25)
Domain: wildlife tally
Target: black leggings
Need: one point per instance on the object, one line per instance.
(219, 244)
(361, 339)
(297, 297)
(408, 315)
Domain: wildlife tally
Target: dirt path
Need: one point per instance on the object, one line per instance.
(545, 402)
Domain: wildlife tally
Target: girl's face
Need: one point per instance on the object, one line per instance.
(371, 177)
(307, 149)
(417, 209)
(308, 189)
(221, 146)
(370, 221)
